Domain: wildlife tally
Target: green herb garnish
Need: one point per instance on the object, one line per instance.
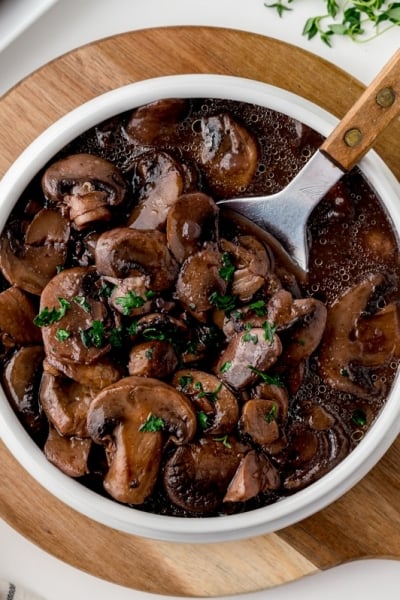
(271, 414)
(269, 331)
(48, 316)
(184, 381)
(226, 303)
(359, 20)
(224, 440)
(130, 301)
(81, 301)
(225, 367)
(271, 379)
(228, 268)
(210, 395)
(258, 307)
(152, 424)
(202, 419)
(62, 335)
(359, 417)
(95, 336)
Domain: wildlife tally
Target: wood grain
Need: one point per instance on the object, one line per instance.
(364, 522)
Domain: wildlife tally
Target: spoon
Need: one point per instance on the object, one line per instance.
(285, 213)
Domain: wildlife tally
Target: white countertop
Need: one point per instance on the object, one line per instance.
(33, 33)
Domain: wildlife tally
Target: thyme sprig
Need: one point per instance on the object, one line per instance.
(359, 20)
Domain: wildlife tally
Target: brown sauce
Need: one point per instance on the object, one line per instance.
(351, 237)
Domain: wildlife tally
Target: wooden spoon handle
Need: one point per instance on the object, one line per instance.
(371, 114)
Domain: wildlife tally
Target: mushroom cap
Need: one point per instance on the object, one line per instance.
(155, 120)
(17, 313)
(40, 253)
(126, 252)
(116, 419)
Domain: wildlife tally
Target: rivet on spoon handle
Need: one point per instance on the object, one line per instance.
(374, 110)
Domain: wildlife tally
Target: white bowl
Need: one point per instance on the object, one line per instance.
(211, 529)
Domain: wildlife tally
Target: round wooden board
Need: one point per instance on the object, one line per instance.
(364, 522)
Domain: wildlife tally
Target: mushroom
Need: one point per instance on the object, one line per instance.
(158, 181)
(228, 154)
(17, 313)
(21, 382)
(126, 252)
(259, 420)
(156, 120)
(340, 353)
(132, 418)
(191, 221)
(311, 315)
(215, 404)
(246, 356)
(66, 403)
(41, 248)
(88, 185)
(313, 449)
(130, 296)
(69, 454)
(99, 374)
(251, 262)
(156, 358)
(197, 475)
(72, 321)
(198, 279)
(379, 335)
(254, 475)
(278, 394)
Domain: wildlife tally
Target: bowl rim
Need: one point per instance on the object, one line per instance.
(106, 511)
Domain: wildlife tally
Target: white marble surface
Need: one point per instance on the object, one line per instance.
(68, 24)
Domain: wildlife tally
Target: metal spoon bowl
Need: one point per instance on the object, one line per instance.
(285, 214)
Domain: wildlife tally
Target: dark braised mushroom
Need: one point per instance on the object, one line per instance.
(340, 353)
(307, 333)
(131, 296)
(21, 382)
(228, 154)
(198, 279)
(156, 358)
(126, 252)
(17, 313)
(216, 405)
(246, 355)
(252, 264)
(69, 454)
(40, 251)
(197, 475)
(191, 222)
(131, 419)
(254, 475)
(158, 181)
(259, 420)
(90, 186)
(66, 403)
(155, 120)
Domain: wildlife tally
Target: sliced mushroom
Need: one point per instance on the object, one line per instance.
(191, 222)
(21, 382)
(228, 154)
(198, 279)
(155, 120)
(379, 336)
(66, 403)
(340, 353)
(98, 374)
(158, 181)
(211, 398)
(278, 394)
(126, 252)
(197, 475)
(314, 450)
(156, 358)
(252, 264)
(307, 333)
(69, 454)
(90, 186)
(41, 250)
(247, 354)
(259, 420)
(17, 313)
(254, 475)
(119, 417)
(78, 314)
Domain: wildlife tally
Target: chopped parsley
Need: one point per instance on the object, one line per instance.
(184, 381)
(210, 395)
(152, 424)
(81, 301)
(95, 336)
(258, 307)
(48, 316)
(228, 268)
(359, 417)
(225, 367)
(271, 415)
(62, 335)
(149, 353)
(271, 379)
(224, 440)
(202, 419)
(131, 300)
(226, 302)
(269, 331)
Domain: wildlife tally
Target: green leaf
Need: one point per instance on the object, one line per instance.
(228, 268)
(95, 336)
(49, 316)
(62, 335)
(202, 419)
(271, 379)
(152, 424)
(81, 301)
(130, 301)
(224, 440)
(226, 303)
